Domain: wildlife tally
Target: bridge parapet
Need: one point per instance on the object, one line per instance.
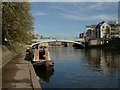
(40, 41)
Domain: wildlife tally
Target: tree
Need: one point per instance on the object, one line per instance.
(16, 22)
(0, 23)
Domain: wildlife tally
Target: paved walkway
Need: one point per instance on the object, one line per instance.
(19, 73)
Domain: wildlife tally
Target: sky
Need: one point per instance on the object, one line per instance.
(69, 19)
(73, 0)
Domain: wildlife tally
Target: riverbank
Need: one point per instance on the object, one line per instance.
(106, 46)
(17, 72)
(9, 52)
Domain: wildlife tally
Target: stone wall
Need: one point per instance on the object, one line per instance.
(0, 54)
(8, 52)
(0, 68)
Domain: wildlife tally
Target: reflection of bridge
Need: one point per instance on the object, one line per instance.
(40, 41)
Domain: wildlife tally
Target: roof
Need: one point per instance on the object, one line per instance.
(91, 26)
(116, 25)
(100, 24)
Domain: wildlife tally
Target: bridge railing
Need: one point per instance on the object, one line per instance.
(40, 41)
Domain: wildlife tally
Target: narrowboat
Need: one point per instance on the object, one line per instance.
(42, 58)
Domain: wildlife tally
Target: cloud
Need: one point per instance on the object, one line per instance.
(106, 0)
(39, 13)
(99, 17)
(89, 11)
(97, 6)
(103, 17)
(86, 11)
(74, 17)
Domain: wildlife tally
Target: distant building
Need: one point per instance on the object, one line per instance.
(90, 32)
(115, 30)
(81, 35)
(103, 31)
(42, 37)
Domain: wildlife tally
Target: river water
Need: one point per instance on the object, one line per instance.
(80, 68)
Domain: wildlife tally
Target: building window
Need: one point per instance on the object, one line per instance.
(107, 27)
(102, 26)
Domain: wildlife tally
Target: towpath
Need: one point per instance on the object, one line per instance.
(19, 73)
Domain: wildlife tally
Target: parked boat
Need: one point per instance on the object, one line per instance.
(42, 58)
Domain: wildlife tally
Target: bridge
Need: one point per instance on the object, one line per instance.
(41, 41)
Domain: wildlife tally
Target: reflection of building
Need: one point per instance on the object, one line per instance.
(92, 58)
(104, 63)
(102, 60)
(109, 61)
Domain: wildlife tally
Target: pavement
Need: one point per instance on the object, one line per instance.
(19, 73)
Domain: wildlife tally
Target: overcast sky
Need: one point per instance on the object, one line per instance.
(68, 19)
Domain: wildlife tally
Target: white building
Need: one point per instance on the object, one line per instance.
(103, 31)
(90, 33)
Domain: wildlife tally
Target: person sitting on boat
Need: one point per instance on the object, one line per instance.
(29, 54)
(42, 53)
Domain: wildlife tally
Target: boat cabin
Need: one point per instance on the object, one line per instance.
(42, 56)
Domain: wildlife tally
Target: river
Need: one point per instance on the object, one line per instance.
(80, 68)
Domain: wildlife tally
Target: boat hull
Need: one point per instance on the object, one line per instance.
(46, 65)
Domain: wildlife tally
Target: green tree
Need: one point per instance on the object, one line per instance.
(0, 23)
(16, 22)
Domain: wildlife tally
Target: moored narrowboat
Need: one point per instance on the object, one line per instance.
(42, 58)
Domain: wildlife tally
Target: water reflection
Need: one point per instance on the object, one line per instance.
(44, 75)
(105, 61)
